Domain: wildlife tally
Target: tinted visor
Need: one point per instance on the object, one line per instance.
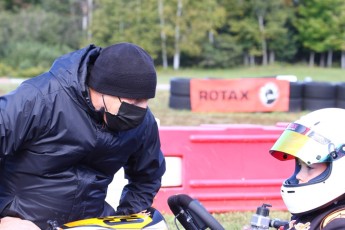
(303, 143)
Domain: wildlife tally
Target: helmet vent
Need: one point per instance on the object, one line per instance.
(291, 191)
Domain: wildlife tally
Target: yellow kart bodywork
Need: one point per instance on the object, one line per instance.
(151, 221)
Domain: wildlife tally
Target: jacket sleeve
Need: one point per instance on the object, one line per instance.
(144, 172)
(19, 118)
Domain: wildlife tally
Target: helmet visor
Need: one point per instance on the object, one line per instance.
(303, 143)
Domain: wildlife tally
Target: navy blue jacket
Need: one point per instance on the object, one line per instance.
(58, 157)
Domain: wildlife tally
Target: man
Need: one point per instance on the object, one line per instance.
(65, 133)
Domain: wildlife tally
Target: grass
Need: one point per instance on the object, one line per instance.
(231, 221)
(5, 88)
(300, 71)
(172, 117)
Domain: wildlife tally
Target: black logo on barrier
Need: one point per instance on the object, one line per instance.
(269, 94)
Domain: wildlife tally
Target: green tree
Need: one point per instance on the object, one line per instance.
(317, 26)
(259, 27)
(195, 22)
(131, 21)
(341, 38)
(280, 40)
(244, 28)
(36, 34)
(335, 39)
(186, 25)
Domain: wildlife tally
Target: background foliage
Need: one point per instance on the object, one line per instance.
(177, 33)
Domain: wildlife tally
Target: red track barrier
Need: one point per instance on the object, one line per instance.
(225, 167)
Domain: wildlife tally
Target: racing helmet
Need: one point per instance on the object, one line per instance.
(317, 137)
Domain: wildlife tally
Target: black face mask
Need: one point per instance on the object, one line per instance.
(128, 117)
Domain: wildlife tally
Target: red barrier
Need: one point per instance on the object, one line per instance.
(225, 167)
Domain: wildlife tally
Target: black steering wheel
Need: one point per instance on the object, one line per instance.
(192, 214)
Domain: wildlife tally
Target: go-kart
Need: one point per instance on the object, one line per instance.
(151, 219)
(191, 214)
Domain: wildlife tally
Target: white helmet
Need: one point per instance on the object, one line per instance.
(317, 137)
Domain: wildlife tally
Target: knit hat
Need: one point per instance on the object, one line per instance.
(124, 70)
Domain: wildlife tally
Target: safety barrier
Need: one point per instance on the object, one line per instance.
(226, 167)
(303, 95)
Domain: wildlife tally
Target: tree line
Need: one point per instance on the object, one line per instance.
(177, 33)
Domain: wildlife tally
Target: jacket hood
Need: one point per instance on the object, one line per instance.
(71, 71)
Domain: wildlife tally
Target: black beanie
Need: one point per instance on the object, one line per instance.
(124, 70)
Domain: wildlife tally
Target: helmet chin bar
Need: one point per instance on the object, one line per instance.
(322, 206)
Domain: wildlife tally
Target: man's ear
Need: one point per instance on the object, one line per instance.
(95, 98)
